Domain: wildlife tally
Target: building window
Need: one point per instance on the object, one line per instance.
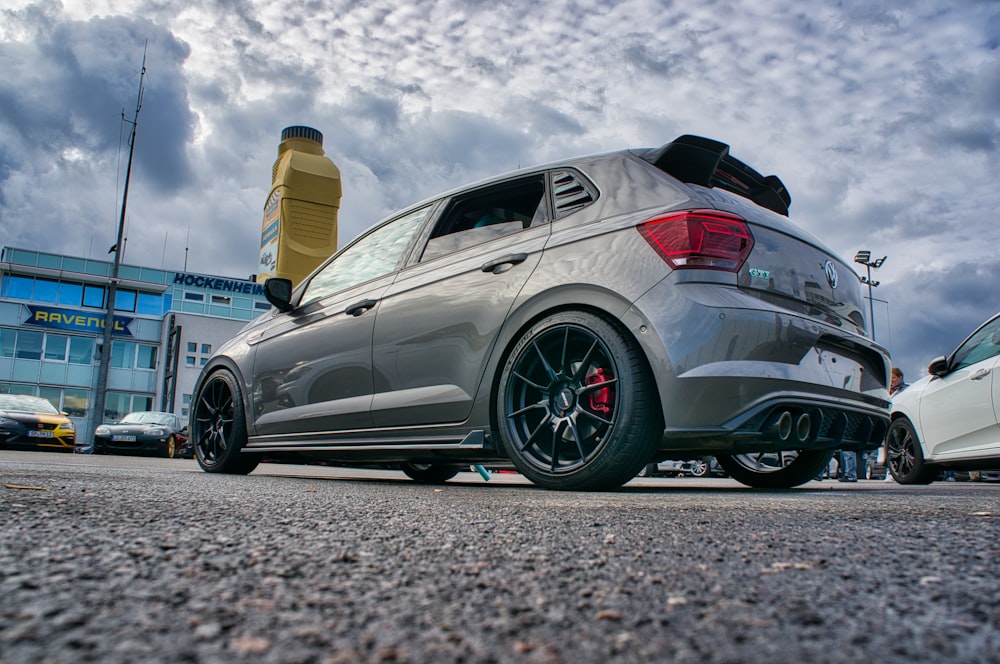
(55, 347)
(206, 349)
(17, 288)
(145, 357)
(150, 304)
(28, 346)
(263, 306)
(46, 291)
(222, 299)
(189, 360)
(7, 337)
(76, 403)
(81, 350)
(125, 300)
(195, 297)
(93, 296)
(202, 361)
(71, 294)
(122, 354)
(192, 347)
(119, 404)
(51, 394)
(18, 388)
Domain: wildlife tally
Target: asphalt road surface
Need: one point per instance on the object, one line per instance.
(115, 559)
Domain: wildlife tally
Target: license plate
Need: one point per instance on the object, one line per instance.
(40, 434)
(123, 439)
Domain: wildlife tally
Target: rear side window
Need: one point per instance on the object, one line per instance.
(570, 192)
(487, 214)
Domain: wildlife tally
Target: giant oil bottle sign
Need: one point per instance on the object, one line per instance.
(269, 238)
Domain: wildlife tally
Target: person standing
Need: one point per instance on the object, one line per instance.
(896, 384)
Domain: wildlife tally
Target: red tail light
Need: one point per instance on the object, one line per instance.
(699, 239)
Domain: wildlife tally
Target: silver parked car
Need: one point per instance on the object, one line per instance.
(579, 319)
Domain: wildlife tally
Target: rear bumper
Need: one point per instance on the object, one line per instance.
(736, 374)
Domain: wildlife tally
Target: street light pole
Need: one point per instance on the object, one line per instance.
(100, 394)
(864, 258)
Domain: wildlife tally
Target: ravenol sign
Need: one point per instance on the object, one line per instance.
(76, 321)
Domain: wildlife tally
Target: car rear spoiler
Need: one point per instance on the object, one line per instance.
(702, 161)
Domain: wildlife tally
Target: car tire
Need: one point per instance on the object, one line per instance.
(430, 473)
(220, 426)
(905, 456)
(576, 406)
(756, 470)
(171, 449)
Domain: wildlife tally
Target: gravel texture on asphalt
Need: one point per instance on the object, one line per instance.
(169, 564)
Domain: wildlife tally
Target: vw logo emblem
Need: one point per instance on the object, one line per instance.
(830, 270)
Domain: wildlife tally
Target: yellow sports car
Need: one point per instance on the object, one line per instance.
(27, 421)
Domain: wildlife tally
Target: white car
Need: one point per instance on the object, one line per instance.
(948, 420)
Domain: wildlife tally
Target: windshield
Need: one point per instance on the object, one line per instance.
(17, 403)
(148, 418)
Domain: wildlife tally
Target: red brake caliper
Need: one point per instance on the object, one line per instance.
(600, 400)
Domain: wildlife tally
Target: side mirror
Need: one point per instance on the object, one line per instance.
(938, 366)
(278, 292)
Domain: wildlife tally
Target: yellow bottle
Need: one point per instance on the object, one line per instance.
(300, 215)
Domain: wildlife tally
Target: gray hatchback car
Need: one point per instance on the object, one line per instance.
(579, 319)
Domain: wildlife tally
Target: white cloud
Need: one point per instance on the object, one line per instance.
(880, 119)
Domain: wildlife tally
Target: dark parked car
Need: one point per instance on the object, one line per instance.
(28, 422)
(948, 420)
(144, 432)
(579, 319)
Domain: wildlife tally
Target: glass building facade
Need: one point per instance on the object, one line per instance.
(166, 324)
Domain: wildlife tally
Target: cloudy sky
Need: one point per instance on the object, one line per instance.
(882, 118)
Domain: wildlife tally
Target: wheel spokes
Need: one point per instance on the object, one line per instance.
(555, 385)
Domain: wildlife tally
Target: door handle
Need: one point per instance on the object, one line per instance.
(504, 263)
(361, 307)
(980, 374)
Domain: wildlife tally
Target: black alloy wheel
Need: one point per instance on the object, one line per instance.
(904, 456)
(220, 427)
(775, 470)
(576, 407)
(430, 473)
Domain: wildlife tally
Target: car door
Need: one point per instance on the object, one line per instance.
(312, 369)
(439, 320)
(958, 411)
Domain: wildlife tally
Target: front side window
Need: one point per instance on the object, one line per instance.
(488, 214)
(376, 254)
(982, 345)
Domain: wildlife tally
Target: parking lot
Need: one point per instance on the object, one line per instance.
(124, 559)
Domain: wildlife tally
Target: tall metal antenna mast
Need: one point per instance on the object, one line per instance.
(100, 394)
